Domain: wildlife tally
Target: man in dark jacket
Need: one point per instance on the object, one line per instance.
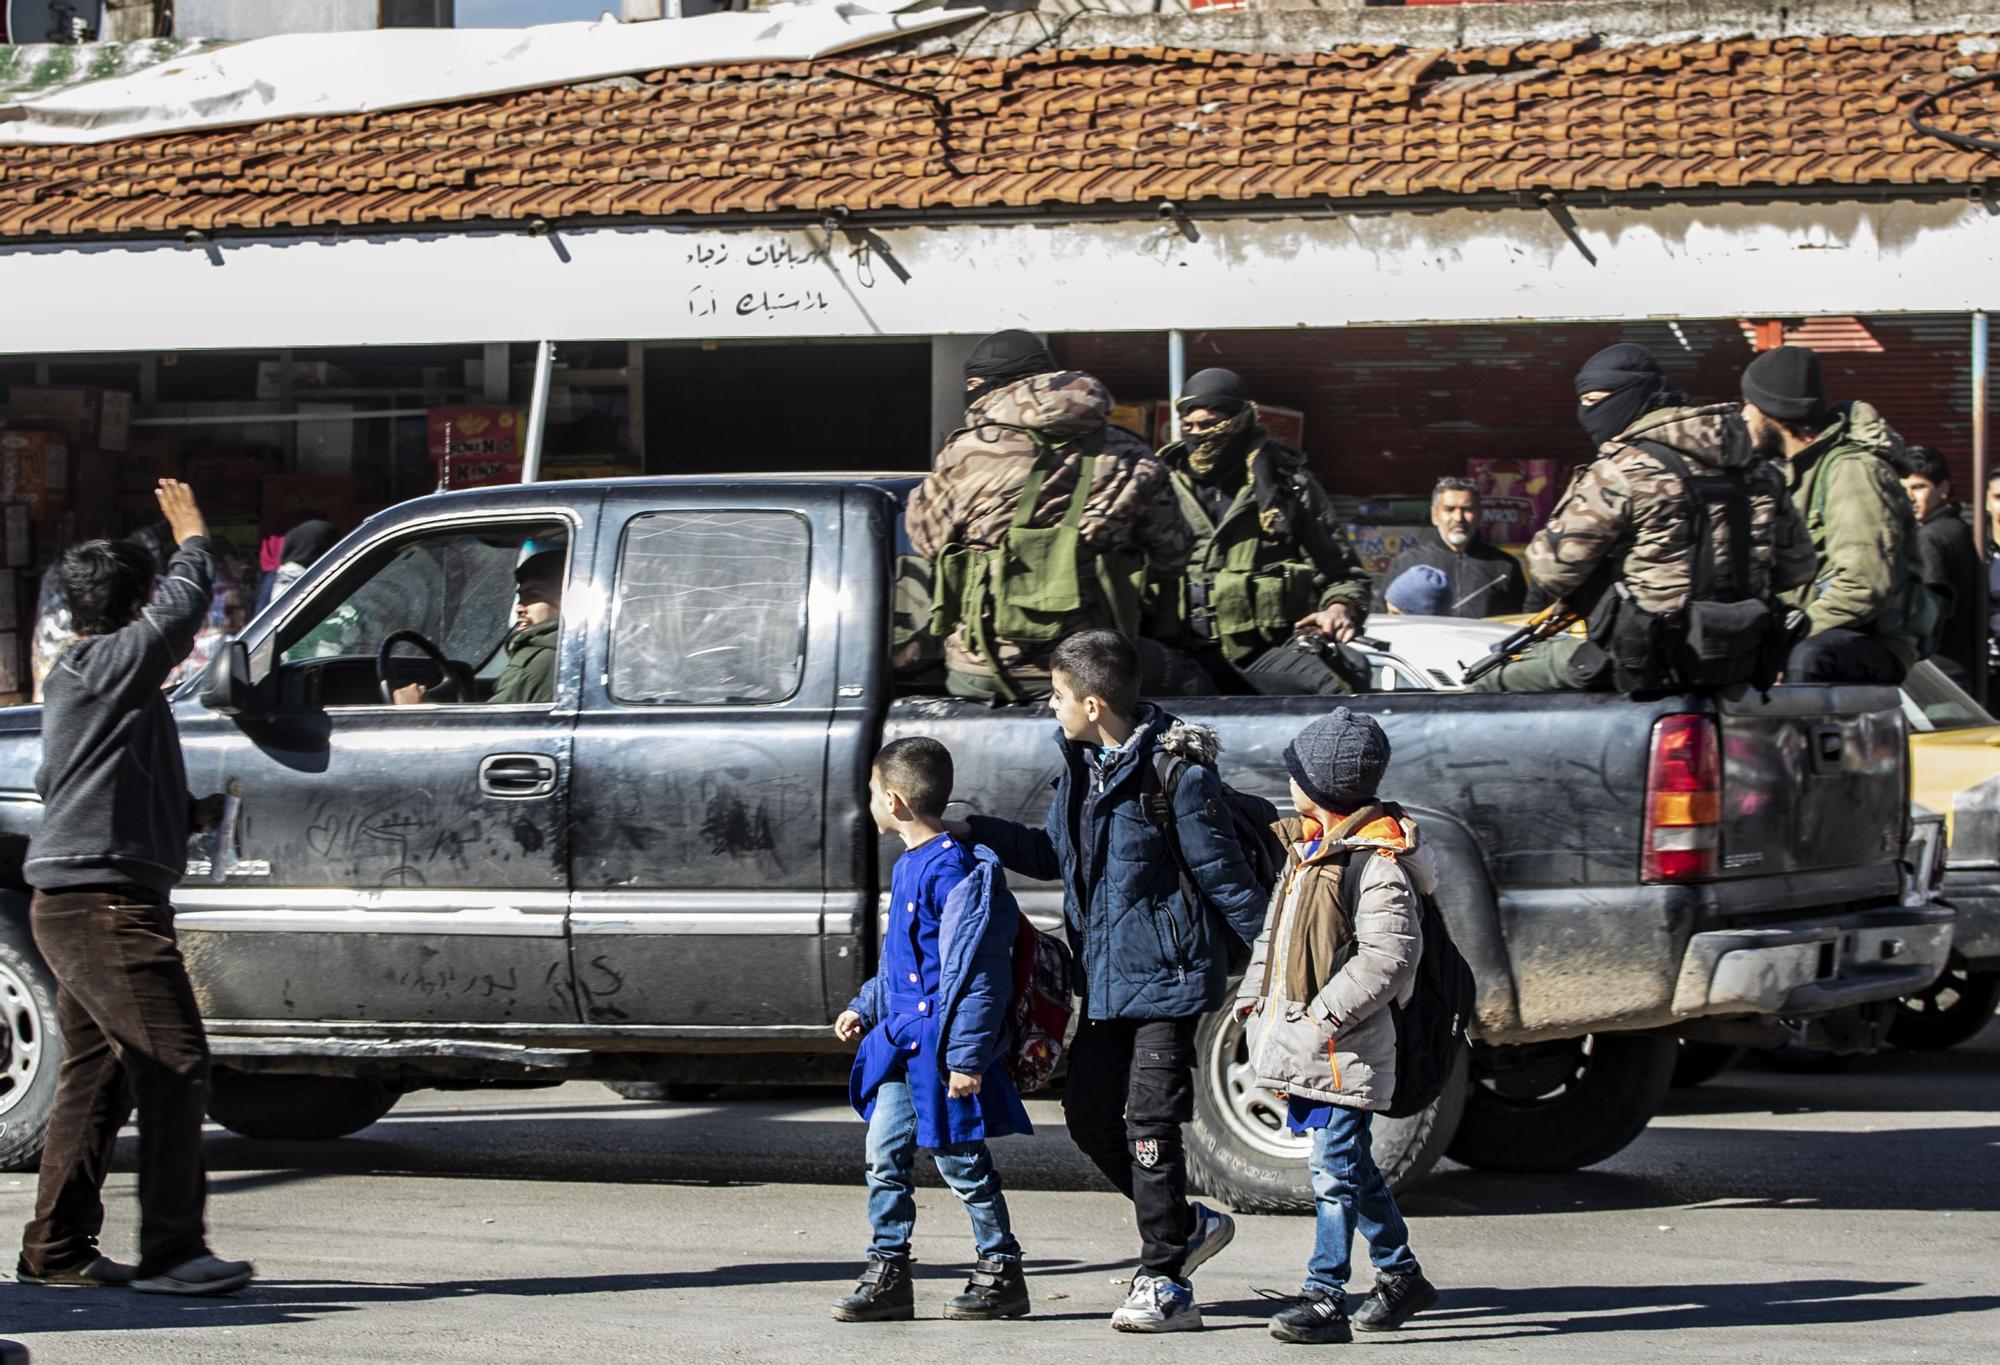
(1268, 561)
(1951, 563)
(111, 848)
(1151, 956)
(1482, 581)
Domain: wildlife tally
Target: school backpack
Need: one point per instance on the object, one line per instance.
(1040, 1010)
(1250, 821)
(1430, 1029)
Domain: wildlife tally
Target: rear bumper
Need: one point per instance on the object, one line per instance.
(1975, 893)
(1798, 969)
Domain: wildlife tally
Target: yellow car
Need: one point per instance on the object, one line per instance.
(1955, 770)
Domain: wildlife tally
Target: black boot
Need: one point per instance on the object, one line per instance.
(1317, 1319)
(997, 1289)
(1394, 1300)
(885, 1294)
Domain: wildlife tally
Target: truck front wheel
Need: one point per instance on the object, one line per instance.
(1562, 1106)
(1240, 1151)
(280, 1108)
(30, 1046)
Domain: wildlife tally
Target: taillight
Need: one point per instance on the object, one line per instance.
(1683, 838)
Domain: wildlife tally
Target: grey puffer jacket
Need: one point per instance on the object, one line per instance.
(1340, 1045)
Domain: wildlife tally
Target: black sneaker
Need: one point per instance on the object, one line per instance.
(1318, 1318)
(996, 1289)
(1394, 1300)
(885, 1294)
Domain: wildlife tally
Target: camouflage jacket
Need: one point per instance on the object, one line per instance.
(1311, 542)
(974, 489)
(1865, 540)
(1629, 509)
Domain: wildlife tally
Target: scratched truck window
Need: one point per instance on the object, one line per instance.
(711, 608)
(457, 590)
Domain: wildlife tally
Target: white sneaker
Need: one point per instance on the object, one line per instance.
(1157, 1304)
(1213, 1230)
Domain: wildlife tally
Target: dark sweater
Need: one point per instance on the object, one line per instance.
(114, 788)
(1485, 581)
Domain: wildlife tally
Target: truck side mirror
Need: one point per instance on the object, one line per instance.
(227, 690)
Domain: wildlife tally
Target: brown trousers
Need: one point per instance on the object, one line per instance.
(131, 1032)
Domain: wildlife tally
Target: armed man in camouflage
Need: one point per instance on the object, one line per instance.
(1626, 547)
(1039, 519)
(1272, 590)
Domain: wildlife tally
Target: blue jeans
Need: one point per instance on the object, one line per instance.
(892, 1184)
(1350, 1193)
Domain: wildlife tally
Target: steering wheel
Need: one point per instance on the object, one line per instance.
(451, 677)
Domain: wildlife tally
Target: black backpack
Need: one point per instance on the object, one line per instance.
(1250, 819)
(1430, 1029)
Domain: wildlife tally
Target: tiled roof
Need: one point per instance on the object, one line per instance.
(1069, 128)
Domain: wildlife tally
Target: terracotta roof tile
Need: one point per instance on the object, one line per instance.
(1106, 126)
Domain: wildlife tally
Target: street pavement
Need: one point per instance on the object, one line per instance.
(1767, 1216)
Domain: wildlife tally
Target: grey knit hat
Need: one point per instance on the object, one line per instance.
(1339, 759)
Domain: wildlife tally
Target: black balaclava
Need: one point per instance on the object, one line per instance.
(307, 541)
(1002, 359)
(1217, 455)
(1634, 385)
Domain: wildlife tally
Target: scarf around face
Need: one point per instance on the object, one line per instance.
(1235, 453)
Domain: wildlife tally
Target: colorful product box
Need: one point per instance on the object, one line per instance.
(1515, 496)
(1378, 546)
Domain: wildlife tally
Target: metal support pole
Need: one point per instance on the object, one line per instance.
(1176, 380)
(1979, 401)
(538, 412)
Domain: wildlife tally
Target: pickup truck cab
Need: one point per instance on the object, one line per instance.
(666, 871)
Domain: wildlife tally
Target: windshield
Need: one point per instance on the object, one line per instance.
(1931, 701)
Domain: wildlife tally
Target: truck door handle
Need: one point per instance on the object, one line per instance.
(1829, 747)
(517, 777)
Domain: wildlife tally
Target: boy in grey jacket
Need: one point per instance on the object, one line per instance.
(1318, 992)
(116, 814)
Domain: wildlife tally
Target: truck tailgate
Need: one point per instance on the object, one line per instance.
(1815, 778)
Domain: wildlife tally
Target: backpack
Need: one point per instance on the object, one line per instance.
(1430, 1029)
(1250, 821)
(1040, 1010)
(1920, 610)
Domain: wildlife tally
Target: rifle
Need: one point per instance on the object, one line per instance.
(1551, 621)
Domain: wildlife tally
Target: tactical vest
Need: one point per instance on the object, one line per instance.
(1039, 583)
(1230, 598)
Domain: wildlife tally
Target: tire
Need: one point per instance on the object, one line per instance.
(1240, 1151)
(281, 1108)
(1562, 1106)
(30, 1046)
(659, 1092)
(1956, 1007)
(1700, 1063)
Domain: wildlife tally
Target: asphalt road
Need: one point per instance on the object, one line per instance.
(1766, 1217)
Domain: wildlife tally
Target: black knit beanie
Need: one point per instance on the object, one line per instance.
(1785, 384)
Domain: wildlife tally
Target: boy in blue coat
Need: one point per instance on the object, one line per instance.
(935, 1020)
(1151, 951)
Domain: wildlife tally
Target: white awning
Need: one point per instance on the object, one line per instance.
(779, 283)
(327, 74)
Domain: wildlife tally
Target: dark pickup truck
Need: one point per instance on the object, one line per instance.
(667, 873)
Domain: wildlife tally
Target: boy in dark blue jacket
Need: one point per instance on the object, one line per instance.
(1152, 959)
(935, 1020)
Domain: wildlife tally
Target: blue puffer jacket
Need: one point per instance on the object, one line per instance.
(975, 971)
(1145, 953)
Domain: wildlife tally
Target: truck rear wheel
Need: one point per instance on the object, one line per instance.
(1955, 1008)
(280, 1108)
(30, 1046)
(1562, 1106)
(1240, 1151)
